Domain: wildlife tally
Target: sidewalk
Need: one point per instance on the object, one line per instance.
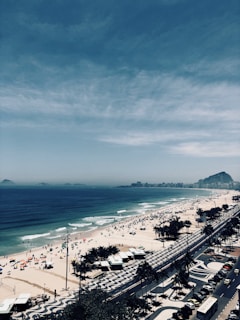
(230, 306)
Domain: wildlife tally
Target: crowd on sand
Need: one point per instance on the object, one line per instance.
(43, 270)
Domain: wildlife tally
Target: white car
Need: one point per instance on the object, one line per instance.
(190, 305)
(236, 271)
(227, 281)
(209, 288)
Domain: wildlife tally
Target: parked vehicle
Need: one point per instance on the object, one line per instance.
(227, 281)
(198, 296)
(227, 267)
(208, 287)
(190, 305)
(233, 317)
(223, 273)
(236, 271)
(233, 259)
(194, 301)
(217, 278)
(212, 283)
(204, 291)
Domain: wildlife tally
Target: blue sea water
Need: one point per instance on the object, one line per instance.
(35, 216)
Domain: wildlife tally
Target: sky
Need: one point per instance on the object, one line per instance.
(113, 92)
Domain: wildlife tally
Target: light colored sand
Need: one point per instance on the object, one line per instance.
(36, 280)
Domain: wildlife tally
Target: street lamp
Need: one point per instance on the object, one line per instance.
(66, 279)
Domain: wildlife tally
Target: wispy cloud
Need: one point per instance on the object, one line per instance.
(145, 96)
(112, 108)
(154, 76)
(208, 149)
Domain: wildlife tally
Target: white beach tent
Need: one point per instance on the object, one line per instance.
(6, 308)
(124, 256)
(22, 301)
(138, 253)
(115, 262)
(105, 265)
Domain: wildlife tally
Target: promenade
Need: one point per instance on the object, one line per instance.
(117, 283)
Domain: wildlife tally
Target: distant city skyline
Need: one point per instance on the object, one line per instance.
(113, 92)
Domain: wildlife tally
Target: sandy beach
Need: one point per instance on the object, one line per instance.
(26, 273)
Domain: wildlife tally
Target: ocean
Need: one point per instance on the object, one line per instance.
(35, 216)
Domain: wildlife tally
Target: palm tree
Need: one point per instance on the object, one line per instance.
(208, 231)
(113, 250)
(74, 263)
(188, 261)
(102, 253)
(145, 272)
(161, 275)
(201, 214)
(137, 306)
(187, 224)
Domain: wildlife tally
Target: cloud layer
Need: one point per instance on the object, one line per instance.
(156, 74)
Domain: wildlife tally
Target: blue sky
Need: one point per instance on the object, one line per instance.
(112, 91)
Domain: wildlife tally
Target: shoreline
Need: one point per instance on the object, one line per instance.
(92, 230)
(36, 280)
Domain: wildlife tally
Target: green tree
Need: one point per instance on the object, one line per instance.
(208, 230)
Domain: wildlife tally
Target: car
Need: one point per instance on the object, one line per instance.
(227, 267)
(204, 291)
(194, 301)
(198, 296)
(232, 259)
(227, 281)
(223, 273)
(208, 250)
(212, 283)
(236, 271)
(217, 278)
(208, 287)
(235, 312)
(190, 305)
(233, 317)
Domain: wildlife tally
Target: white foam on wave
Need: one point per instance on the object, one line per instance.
(92, 228)
(80, 225)
(162, 202)
(35, 236)
(147, 205)
(123, 217)
(121, 211)
(60, 229)
(98, 218)
(101, 222)
(54, 237)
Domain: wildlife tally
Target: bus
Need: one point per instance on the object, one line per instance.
(207, 309)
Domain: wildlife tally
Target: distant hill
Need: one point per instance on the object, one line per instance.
(218, 180)
(7, 182)
(221, 180)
